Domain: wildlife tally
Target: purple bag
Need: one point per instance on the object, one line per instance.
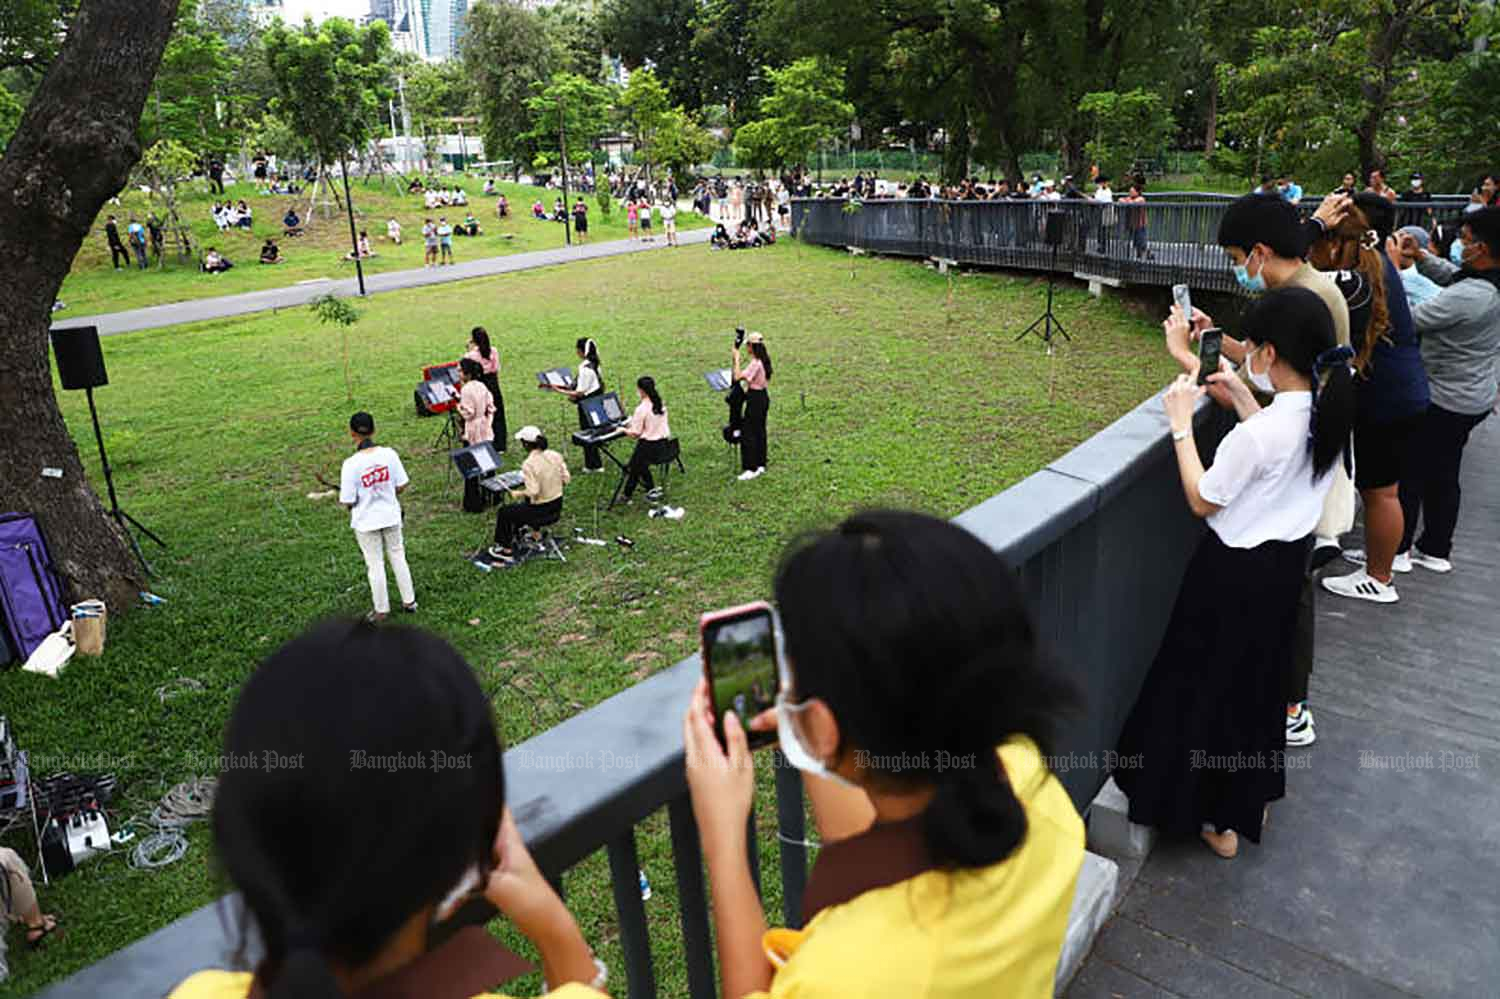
(31, 605)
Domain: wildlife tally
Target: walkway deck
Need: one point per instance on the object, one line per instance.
(1370, 882)
(295, 295)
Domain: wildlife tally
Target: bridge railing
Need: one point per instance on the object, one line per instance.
(1178, 241)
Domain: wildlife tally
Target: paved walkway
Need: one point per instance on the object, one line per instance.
(1371, 882)
(295, 295)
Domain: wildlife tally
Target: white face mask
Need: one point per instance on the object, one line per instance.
(792, 746)
(1260, 379)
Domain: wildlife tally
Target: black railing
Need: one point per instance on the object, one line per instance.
(1161, 242)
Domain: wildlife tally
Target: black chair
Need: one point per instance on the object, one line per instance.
(541, 542)
(670, 454)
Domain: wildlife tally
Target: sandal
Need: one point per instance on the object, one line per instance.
(410, 608)
(49, 926)
(1225, 845)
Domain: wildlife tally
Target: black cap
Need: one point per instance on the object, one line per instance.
(1416, 175)
(362, 423)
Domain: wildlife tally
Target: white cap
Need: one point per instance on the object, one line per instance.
(529, 434)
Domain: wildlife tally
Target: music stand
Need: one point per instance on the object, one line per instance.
(720, 379)
(556, 378)
(1054, 232)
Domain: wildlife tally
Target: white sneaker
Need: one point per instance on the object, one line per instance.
(1299, 728)
(746, 476)
(1401, 563)
(1361, 586)
(1429, 562)
(760, 471)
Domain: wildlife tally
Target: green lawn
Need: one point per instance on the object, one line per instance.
(94, 286)
(883, 394)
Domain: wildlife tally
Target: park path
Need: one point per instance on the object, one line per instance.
(292, 296)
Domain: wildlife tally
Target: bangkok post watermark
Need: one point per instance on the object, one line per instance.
(266, 761)
(1446, 759)
(1275, 759)
(604, 760)
(431, 761)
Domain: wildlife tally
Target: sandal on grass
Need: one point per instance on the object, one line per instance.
(36, 936)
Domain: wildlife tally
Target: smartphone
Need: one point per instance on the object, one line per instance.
(742, 662)
(1208, 353)
(1184, 302)
(739, 336)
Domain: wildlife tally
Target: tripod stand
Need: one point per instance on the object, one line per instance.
(125, 520)
(447, 439)
(1047, 321)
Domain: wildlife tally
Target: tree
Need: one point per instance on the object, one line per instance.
(803, 110)
(577, 34)
(436, 93)
(31, 31)
(10, 116)
(505, 51)
(331, 84)
(728, 52)
(166, 164)
(644, 101)
(567, 106)
(658, 33)
(1129, 127)
(681, 142)
(191, 96)
(73, 150)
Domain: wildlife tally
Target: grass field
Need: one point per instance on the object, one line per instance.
(883, 394)
(94, 285)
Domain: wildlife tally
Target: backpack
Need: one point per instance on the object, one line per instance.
(31, 604)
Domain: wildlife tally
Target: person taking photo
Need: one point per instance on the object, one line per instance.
(756, 377)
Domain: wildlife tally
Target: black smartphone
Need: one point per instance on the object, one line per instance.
(1208, 353)
(742, 664)
(739, 336)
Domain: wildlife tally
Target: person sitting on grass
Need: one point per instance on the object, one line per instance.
(270, 253)
(438, 835)
(362, 245)
(291, 225)
(489, 186)
(431, 200)
(720, 239)
(220, 216)
(470, 225)
(214, 262)
(244, 216)
(545, 473)
(538, 213)
(459, 197)
(415, 187)
(393, 231)
(502, 208)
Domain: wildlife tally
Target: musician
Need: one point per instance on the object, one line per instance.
(480, 350)
(648, 425)
(589, 384)
(545, 474)
(756, 376)
(477, 407)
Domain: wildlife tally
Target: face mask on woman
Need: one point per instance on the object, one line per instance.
(1260, 379)
(1242, 275)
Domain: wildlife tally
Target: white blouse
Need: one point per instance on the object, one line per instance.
(588, 380)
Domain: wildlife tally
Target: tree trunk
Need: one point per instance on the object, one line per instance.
(74, 149)
(1211, 129)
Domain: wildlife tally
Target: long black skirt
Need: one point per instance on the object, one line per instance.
(497, 422)
(1206, 740)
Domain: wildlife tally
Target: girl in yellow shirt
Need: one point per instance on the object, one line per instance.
(914, 699)
(360, 803)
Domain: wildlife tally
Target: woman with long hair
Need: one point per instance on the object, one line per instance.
(586, 386)
(1390, 389)
(757, 376)
(648, 425)
(917, 703)
(1209, 728)
(480, 350)
(477, 408)
(351, 833)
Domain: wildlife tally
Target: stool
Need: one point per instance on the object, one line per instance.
(543, 542)
(671, 453)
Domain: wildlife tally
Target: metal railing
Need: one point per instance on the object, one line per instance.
(1161, 242)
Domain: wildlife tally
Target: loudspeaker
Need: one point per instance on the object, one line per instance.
(80, 362)
(1056, 222)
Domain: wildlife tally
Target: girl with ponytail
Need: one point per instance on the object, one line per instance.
(362, 802)
(648, 425)
(587, 385)
(1216, 690)
(1390, 389)
(919, 706)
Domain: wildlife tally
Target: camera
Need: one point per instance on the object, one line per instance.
(739, 336)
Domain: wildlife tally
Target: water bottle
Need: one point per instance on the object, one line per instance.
(645, 886)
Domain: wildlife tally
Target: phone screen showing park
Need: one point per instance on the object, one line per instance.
(742, 669)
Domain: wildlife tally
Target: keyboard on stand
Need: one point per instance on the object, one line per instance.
(503, 483)
(597, 435)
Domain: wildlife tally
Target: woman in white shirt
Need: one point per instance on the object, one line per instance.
(588, 385)
(1205, 739)
(648, 425)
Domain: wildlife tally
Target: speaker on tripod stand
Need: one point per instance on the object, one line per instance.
(1054, 233)
(80, 365)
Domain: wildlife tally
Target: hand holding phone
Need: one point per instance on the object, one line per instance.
(1208, 353)
(1184, 300)
(742, 664)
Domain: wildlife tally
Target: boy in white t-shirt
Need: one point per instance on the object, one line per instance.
(368, 485)
(669, 221)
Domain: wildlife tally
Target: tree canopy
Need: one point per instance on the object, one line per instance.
(330, 82)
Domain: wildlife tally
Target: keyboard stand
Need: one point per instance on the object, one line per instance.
(606, 450)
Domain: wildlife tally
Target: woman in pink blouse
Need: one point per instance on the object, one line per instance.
(648, 425)
(489, 366)
(756, 376)
(477, 409)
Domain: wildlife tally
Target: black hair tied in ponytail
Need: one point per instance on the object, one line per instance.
(647, 384)
(917, 637)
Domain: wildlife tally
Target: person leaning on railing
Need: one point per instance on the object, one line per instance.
(917, 704)
(351, 834)
(1202, 749)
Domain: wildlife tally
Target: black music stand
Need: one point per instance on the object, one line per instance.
(1056, 222)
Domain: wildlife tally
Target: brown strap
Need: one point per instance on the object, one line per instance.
(879, 857)
(467, 964)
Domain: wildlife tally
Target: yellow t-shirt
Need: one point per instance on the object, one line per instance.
(996, 931)
(236, 985)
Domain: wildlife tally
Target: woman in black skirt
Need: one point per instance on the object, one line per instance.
(1203, 748)
(588, 385)
(489, 364)
(757, 377)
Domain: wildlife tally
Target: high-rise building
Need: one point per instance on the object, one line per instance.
(444, 21)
